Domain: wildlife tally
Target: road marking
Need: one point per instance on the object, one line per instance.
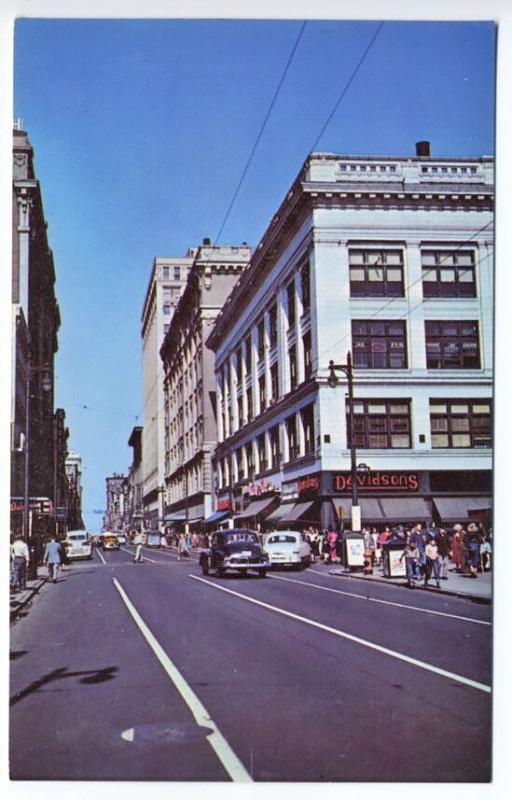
(131, 554)
(101, 557)
(226, 755)
(344, 635)
(384, 602)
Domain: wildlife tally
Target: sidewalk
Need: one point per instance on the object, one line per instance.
(479, 589)
(19, 600)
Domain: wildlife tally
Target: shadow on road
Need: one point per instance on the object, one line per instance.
(90, 676)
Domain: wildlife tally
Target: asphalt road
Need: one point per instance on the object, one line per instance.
(152, 672)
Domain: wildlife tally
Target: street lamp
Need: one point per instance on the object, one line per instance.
(332, 381)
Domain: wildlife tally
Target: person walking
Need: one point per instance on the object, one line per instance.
(138, 541)
(20, 559)
(444, 552)
(183, 551)
(52, 558)
(432, 562)
(412, 561)
(473, 541)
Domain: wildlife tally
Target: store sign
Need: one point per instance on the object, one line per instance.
(310, 483)
(39, 505)
(378, 481)
(260, 487)
(224, 505)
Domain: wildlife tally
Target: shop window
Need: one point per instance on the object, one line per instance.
(376, 273)
(461, 423)
(448, 273)
(379, 345)
(380, 424)
(452, 345)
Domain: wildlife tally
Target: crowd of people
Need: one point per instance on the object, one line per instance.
(427, 550)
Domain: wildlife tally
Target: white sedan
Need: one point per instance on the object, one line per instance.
(288, 549)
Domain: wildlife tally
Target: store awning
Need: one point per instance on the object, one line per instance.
(371, 510)
(280, 512)
(256, 508)
(405, 509)
(179, 516)
(455, 509)
(216, 516)
(296, 512)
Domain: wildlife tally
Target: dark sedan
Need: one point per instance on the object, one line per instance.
(235, 549)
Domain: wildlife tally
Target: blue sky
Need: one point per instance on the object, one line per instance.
(141, 130)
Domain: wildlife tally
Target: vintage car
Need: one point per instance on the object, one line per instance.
(235, 549)
(153, 539)
(78, 544)
(110, 541)
(288, 549)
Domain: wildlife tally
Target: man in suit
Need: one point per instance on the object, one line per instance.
(52, 557)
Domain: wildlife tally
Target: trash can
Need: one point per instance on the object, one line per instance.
(393, 566)
(353, 549)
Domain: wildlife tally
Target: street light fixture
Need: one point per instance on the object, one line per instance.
(332, 381)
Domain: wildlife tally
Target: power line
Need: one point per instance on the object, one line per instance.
(347, 85)
(260, 133)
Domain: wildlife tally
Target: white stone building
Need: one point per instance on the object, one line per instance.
(391, 259)
(166, 283)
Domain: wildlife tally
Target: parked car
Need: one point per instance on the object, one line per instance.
(288, 549)
(121, 538)
(78, 544)
(153, 539)
(110, 541)
(235, 549)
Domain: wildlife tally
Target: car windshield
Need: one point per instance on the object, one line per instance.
(281, 538)
(241, 536)
(77, 537)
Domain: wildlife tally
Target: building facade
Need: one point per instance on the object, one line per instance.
(166, 283)
(134, 509)
(189, 381)
(392, 260)
(114, 518)
(36, 320)
(73, 468)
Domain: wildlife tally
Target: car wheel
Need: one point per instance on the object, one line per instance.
(262, 573)
(205, 568)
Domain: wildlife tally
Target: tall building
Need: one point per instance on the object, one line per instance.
(73, 467)
(134, 513)
(166, 283)
(189, 381)
(36, 320)
(390, 258)
(115, 509)
(61, 487)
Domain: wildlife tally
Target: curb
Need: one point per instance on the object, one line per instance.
(28, 594)
(476, 598)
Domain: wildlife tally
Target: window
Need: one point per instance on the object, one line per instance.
(448, 273)
(380, 424)
(305, 284)
(249, 404)
(248, 355)
(262, 452)
(306, 341)
(290, 296)
(452, 345)
(379, 345)
(275, 450)
(166, 308)
(261, 392)
(291, 433)
(177, 273)
(292, 361)
(165, 273)
(274, 383)
(308, 424)
(240, 412)
(250, 461)
(261, 339)
(239, 365)
(461, 423)
(273, 326)
(376, 273)
(240, 464)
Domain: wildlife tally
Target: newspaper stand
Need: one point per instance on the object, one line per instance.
(393, 566)
(353, 549)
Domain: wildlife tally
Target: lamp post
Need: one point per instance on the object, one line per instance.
(332, 381)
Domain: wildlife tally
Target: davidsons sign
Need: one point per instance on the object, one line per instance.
(378, 481)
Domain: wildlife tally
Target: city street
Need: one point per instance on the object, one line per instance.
(151, 671)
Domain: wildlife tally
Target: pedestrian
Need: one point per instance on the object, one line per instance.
(432, 562)
(183, 550)
(20, 559)
(444, 551)
(369, 548)
(485, 554)
(163, 540)
(456, 547)
(137, 541)
(63, 554)
(412, 562)
(52, 557)
(332, 541)
(472, 540)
